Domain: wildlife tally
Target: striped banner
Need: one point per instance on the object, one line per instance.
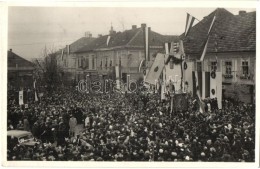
(35, 91)
(167, 47)
(189, 22)
(206, 43)
(108, 39)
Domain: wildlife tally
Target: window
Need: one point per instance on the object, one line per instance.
(106, 63)
(111, 63)
(228, 65)
(119, 61)
(245, 68)
(86, 66)
(213, 66)
(199, 66)
(100, 64)
(93, 62)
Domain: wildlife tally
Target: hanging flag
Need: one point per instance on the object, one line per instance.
(197, 85)
(171, 104)
(141, 65)
(68, 49)
(21, 97)
(206, 43)
(155, 70)
(167, 47)
(163, 92)
(117, 77)
(35, 91)
(108, 39)
(189, 22)
(62, 52)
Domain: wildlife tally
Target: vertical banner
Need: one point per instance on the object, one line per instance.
(207, 84)
(199, 81)
(68, 49)
(163, 91)
(128, 83)
(219, 88)
(117, 77)
(21, 97)
(213, 87)
(35, 91)
(188, 80)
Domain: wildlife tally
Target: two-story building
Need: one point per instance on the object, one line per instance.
(231, 50)
(124, 50)
(20, 72)
(67, 58)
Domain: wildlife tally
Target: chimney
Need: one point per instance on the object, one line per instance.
(88, 34)
(242, 12)
(134, 26)
(143, 25)
(11, 50)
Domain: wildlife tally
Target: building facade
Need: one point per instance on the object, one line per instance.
(231, 51)
(124, 50)
(20, 72)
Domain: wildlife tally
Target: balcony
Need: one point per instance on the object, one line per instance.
(245, 77)
(228, 76)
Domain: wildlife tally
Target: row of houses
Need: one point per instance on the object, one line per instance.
(231, 50)
(99, 56)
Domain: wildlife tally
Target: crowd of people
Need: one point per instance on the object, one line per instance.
(130, 127)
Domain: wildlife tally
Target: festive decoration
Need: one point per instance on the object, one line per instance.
(213, 91)
(156, 69)
(213, 74)
(185, 65)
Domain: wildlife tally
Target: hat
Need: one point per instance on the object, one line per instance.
(174, 154)
(161, 151)
(202, 154)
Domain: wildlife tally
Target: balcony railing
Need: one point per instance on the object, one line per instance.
(245, 77)
(228, 76)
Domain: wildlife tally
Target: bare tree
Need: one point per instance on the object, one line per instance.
(48, 71)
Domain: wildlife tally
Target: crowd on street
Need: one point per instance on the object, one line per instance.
(130, 127)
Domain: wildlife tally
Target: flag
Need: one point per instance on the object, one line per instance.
(206, 43)
(163, 92)
(171, 104)
(128, 83)
(146, 31)
(68, 49)
(167, 47)
(189, 22)
(35, 91)
(21, 102)
(62, 52)
(108, 39)
(141, 65)
(197, 85)
(117, 77)
(156, 69)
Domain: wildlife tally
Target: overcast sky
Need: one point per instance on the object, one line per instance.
(31, 28)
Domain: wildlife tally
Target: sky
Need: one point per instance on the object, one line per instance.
(30, 29)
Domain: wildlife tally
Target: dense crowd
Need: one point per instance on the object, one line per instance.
(130, 127)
